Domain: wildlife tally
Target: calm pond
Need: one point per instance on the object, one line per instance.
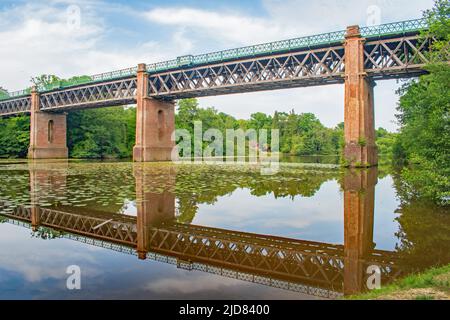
(166, 231)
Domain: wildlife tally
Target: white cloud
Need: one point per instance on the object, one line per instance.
(37, 260)
(224, 27)
(36, 39)
(318, 16)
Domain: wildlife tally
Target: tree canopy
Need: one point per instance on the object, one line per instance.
(424, 139)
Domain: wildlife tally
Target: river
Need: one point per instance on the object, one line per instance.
(197, 231)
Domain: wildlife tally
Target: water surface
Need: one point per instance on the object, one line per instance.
(156, 231)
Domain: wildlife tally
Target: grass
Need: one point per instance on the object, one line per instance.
(432, 284)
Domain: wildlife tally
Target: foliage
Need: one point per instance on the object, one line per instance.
(105, 133)
(424, 138)
(49, 82)
(110, 132)
(14, 137)
(435, 279)
(439, 28)
(98, 133)
(3, 93)
(101, 133)
(385, 142)
(300, 134)
(45, 233)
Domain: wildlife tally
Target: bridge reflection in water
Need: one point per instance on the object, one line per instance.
(316, 268)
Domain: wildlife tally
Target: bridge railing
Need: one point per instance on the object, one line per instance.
(75, 81)
(394, 28)
(101, 77)
(249, 51)
(287, 45)
(4, 95)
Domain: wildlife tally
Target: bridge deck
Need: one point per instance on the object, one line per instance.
(392, 51)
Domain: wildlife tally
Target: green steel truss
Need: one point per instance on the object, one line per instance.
(300, 68)
(395, 28)
(317, 41)
(288, 45)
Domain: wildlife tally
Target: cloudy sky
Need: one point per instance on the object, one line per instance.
(77, 37)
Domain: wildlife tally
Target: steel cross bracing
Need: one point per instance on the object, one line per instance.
(396, 57)
(292, 69)
(318, 264)
(111, 93)
(392, 56)
(15, 106)
(296, 44)
(117, 231)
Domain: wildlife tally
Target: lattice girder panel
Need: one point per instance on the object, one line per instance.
(398, 57)
(255, 239)
(120, 232)
(20, 213)
(291, 69)
(264, 241)
(284, 263)
(15, 106)
(111, 93)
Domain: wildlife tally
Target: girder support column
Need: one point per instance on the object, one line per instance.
(48, 132)
(359, 121)
(155, 123)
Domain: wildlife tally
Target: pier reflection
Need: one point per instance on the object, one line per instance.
(316, 268)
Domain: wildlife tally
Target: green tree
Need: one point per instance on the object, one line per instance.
(3, 93)
(102, 133)
(50, 81)
(45, 80)
(424, 137)
(14, 136)
(385, 141)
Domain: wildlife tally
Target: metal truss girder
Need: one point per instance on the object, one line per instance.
(396, 57)
(117, 231)
(384, 58)
(292, 69)
(15, 106)
(19, 213)
(111, 93)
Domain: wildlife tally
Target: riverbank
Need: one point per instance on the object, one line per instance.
(433, 284)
